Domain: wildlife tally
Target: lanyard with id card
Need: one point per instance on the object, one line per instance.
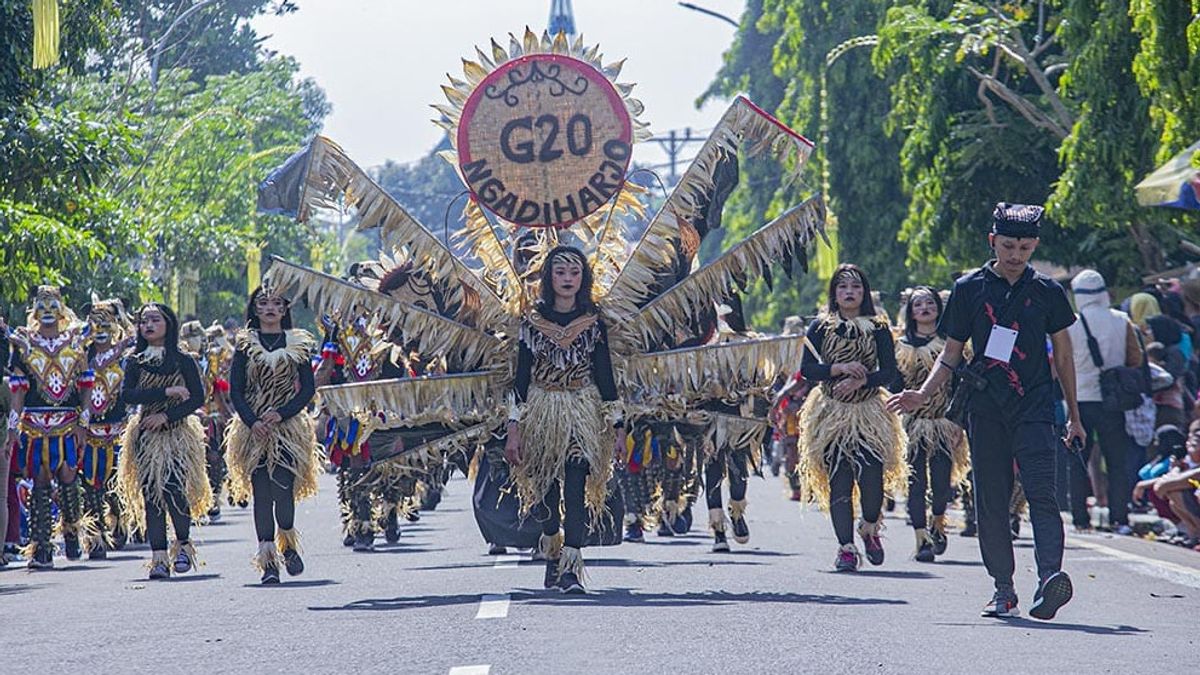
(1001, 343)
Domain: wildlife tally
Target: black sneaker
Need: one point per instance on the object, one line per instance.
(1002, 606)
(412, 516)
(634, 533)
(243, 503)
(42, 560)
(364, 542)
(969, 530)
(270, 575)
(940, 542)
(570, 584)
(925, 553)
(348, 540)
(1014, 522)
(214, 514)
(683, 522)
(160, 571)
(73, 550)
(664, 529)
(97, 553)
(551, 579)
(1054, 592)
(741, 531)
(292, 562)
(720, 543)
(391, 531)
(183, 563)
(497, 549)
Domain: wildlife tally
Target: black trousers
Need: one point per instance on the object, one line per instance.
(869, 477)
(715, 471)
(156, 518)
(274, 501)
(1106, 429)
(995, 445)
(929, 471)
(572, 514)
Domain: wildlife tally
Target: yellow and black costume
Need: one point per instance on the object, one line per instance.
(272, 372)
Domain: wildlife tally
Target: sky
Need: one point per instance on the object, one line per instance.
(382, 62)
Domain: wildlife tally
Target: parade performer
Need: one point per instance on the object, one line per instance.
(477, 308)
(937, 447)
(49, 379)
(270, 446)
(566, 423)
(110, 336)
(847, 437)
(161, 469)
(215, 364)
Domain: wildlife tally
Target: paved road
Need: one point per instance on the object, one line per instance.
(435, 603)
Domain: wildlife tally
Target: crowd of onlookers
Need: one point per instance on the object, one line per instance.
(1144, 459)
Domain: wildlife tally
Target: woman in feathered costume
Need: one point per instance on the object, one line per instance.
(161, 469)
(937, 450)
(270, 445)
(847, 436)
(566, 423)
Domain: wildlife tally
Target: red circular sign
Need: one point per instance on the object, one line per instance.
(544, 141)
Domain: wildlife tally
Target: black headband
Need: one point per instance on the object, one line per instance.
(1020, 221)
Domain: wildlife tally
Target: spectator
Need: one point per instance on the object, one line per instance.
(1174, 493)
(1103, 338)
(1167, 390)
(1141, 307)
(1189, 290)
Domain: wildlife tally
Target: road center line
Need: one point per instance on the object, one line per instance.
(493, 606)
(471, 670)
(507, 561)
(1163, 569)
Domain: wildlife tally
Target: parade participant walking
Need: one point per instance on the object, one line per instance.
(271, 447)
(161, 470)
(110, 334)
(1007, 310)
(48, 376)
(847, 437)
(565, 426)
(937, 448)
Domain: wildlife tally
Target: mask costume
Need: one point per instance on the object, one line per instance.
(565, 379)
(272, 377)
(50, 380)
(161, 471)
(110, 334)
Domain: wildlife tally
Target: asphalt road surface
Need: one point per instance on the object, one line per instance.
(436, 603)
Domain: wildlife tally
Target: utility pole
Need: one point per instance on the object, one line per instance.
(673, 144)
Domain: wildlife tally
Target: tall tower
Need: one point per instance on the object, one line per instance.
(562, 19)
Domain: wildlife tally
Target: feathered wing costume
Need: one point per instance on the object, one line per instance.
(485, 298)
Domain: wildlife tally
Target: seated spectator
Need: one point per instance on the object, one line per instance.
(1174, 493)
(1167, 391)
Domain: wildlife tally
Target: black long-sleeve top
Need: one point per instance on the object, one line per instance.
(134, 394)
(885, 355)
(602, 371)
(237, 382)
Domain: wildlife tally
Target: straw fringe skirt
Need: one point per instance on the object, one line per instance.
(151, 461)
(292, 446)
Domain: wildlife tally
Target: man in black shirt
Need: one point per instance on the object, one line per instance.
(1007, 311)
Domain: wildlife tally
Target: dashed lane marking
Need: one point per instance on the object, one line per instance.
(471, 670)
(493, 606)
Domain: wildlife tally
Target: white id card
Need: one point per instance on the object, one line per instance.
(1000, 344)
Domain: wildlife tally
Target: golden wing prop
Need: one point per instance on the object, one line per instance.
(721, 371)
(436, 335)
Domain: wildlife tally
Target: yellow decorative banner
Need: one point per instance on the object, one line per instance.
(45, 33)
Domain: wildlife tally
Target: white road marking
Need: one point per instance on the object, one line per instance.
(1163, 569)
(493, 606)
(471, 670)
(507, 561)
